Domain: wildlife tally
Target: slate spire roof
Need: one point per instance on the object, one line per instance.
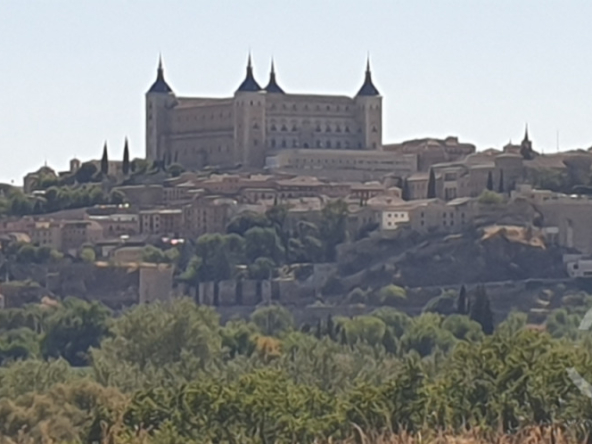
(160, 85)
(272, 86)
(249, 84)
(368, 88)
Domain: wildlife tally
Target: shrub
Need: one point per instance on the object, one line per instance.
(488, 197)
(392, 295)
(357, 296)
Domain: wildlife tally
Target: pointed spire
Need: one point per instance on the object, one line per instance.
(272, 86)
(368, 88)
(249, 84)
(160, 85)
(526, 139)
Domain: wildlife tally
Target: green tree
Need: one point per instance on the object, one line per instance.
(462, 327)
(489, 184)
(85, 173)
(481, 310)
(219, 254)
(395, 320)
(105, 161)
(431, 185)
(125, 166)
(153, 254)
(461, 305)
(405, 191)
(73, 328)
(175, 169)
(392, 295)
(87, 254)
(333, 227)
(368, 329)
(425, 335)
(262, 268)
(158, 335)
(263, 242)
(389, 342)
(272, 320)
(490, 198)
(243, 222)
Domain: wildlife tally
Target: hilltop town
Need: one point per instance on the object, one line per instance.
(270, 196)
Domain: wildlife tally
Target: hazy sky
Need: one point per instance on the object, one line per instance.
(73, 73)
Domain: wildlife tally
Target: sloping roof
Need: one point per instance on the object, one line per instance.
(249, 84)
(272, 87)
(160, 85)
(368, 88)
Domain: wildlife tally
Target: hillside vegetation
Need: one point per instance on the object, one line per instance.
(71, 372)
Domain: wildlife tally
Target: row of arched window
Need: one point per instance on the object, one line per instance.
(318, 128)
(307, 107)
(295, 143)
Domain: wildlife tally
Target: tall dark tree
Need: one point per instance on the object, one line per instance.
(461, 306)
(105, 161)
(490, 181)
(501, 187)
(126, 158)
(331, 327)
(432, 185)
(319, 330)
(405, 192)
(481, 310)
(389, 342)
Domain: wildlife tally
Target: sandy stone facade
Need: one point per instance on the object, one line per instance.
(244, 129)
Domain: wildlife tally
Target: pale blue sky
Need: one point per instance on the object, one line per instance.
(73, 73)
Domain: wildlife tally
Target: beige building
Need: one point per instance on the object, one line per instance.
(166, 222)
(76, 233)
(207, 214)
(117, 224)
(431, 151)
(567, 217)
(344, 164)
(242, 129)
(47, 234)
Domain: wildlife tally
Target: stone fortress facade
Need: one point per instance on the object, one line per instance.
(257, 122)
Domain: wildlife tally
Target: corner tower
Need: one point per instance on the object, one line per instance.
(369, 112)
(159, 99)
(249, 123)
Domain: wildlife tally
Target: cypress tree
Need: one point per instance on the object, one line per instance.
(389, 342)
(481, 311)
(405, 192)
(330, 327)
(319, 330)
(126, 159)
(461, 307)
(432, 185)
(105, 161)
(500, 188)
(343, 337)
(490, 181)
